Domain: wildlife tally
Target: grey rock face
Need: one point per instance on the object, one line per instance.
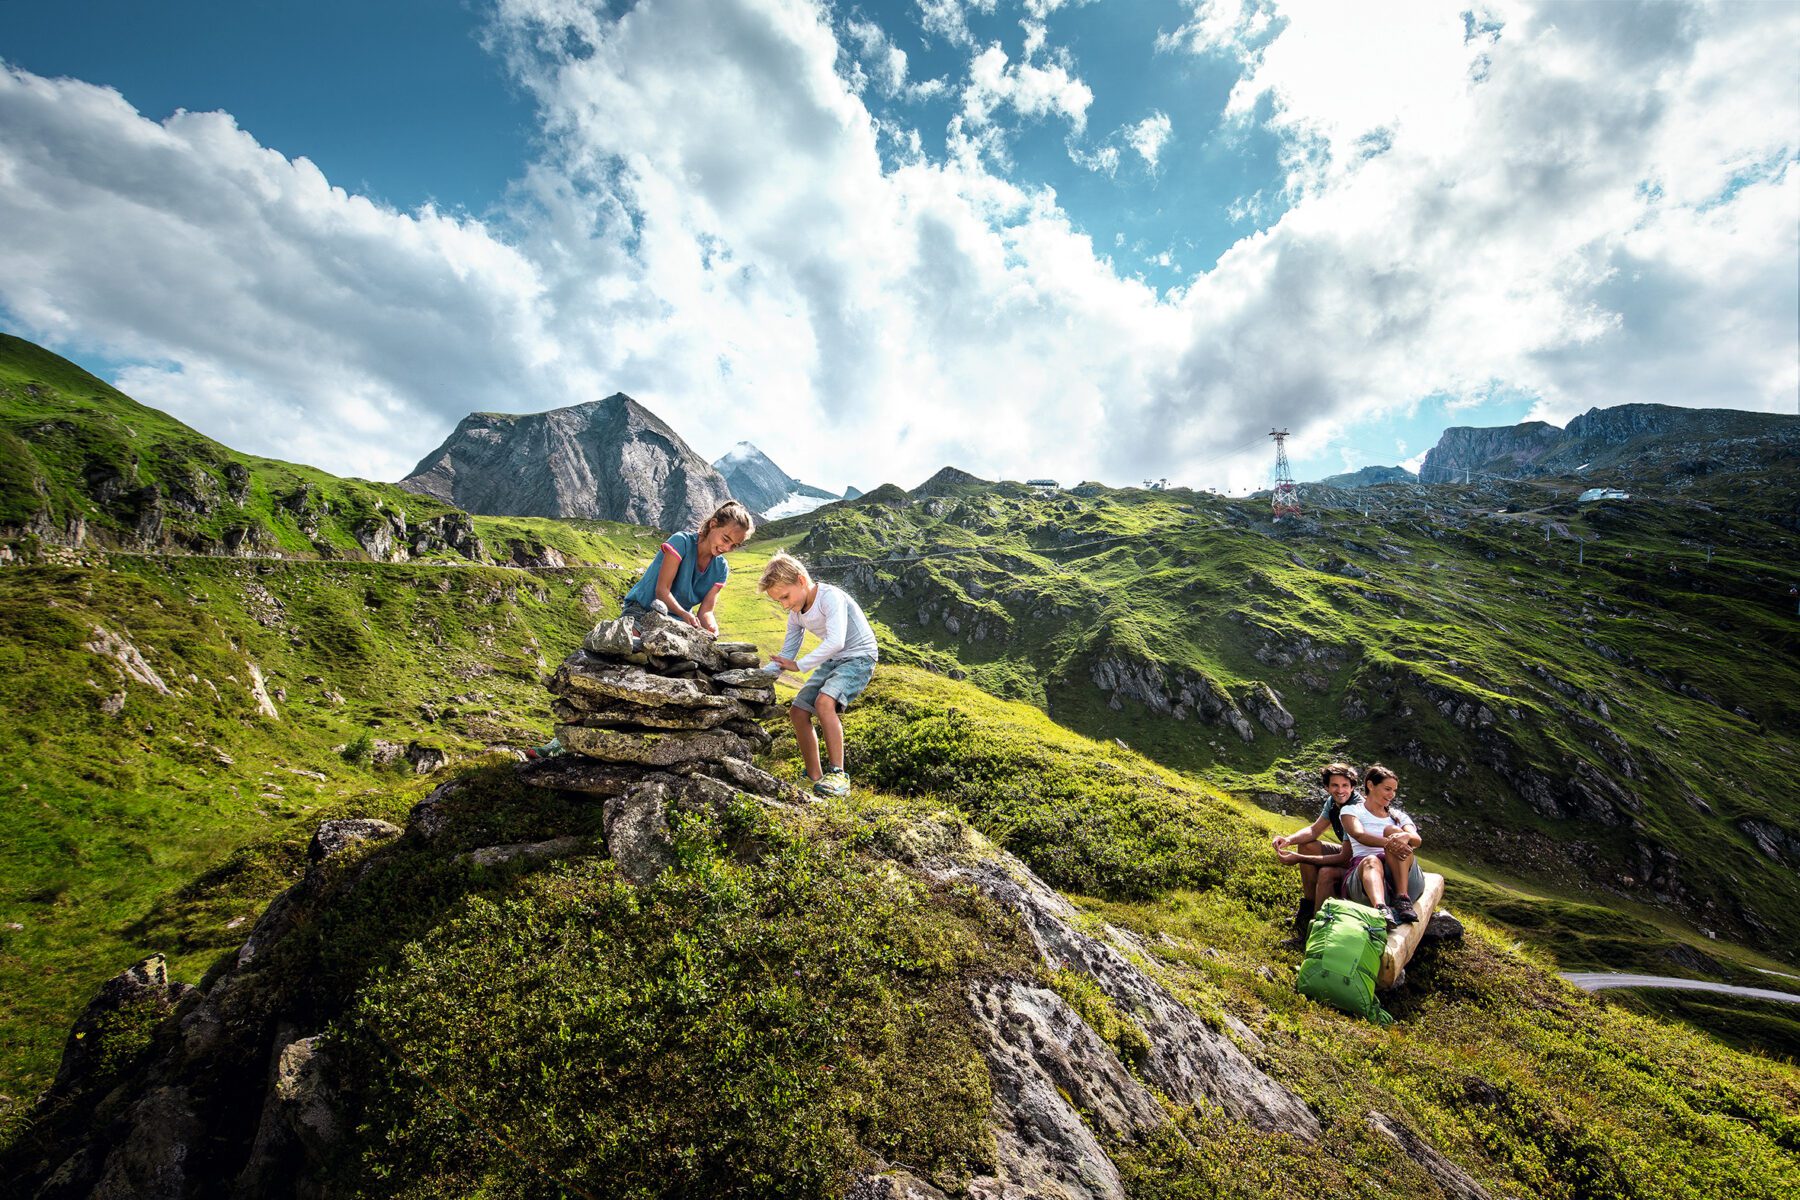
(1178, 694)
(493, 856)
(145, 982)
(1451, 1179)
(601, 715)
(1189, 1061)
(652, 749)
(892, 1184)
(1048, 1069)
(637, 832)
(1369, 477)
(152, 1163)
(1503, 450)
(585, 675)
(610, 460)
(334, 837)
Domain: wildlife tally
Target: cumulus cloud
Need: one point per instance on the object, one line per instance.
(887, 63)
(1029, 89)
(949, 19)
(1592, 203)
(1149, 136)
(1596, 205)
(289, 317)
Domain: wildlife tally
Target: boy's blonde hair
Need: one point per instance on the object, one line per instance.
(783, 569)
(730, 513)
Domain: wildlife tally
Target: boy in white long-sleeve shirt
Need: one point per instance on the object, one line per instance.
(841, 664)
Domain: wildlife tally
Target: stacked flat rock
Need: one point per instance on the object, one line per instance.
(649, 705)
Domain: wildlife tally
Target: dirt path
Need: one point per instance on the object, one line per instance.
(1594, 981)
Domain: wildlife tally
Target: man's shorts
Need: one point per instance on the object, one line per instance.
(1353, 883)
(843, 679)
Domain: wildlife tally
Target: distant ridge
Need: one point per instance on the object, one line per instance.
(610, 460)
(1626, 435)
(1368, 477)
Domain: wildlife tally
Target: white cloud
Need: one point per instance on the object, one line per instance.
(1027, 88)
(1467, 213)
(1595, 207)
(949, 19)
(1149, 136)
(888, 64)
(293, 319)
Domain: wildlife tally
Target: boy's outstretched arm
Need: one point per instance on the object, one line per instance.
(790, 645)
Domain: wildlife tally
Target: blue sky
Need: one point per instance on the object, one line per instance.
(1105, 240)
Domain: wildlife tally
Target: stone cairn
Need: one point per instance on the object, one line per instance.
(652, 715)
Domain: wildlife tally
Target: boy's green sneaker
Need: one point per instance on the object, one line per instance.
(834, 784)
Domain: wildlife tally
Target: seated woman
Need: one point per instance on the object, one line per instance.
(1382, 840)
(1322, 864)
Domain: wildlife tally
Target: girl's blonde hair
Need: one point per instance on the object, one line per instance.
(730, 513)
(784, 568)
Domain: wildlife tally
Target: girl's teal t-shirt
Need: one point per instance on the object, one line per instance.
(690, 586)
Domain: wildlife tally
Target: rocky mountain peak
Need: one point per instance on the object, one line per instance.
(769, 491)
(610, 459)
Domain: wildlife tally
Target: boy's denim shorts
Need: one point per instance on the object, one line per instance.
(843, 679)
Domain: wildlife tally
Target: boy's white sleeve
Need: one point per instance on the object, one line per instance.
(795, 632)
(837, 628)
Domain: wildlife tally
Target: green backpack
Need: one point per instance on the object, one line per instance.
(1343, 958)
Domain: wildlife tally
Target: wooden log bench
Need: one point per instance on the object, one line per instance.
(1403, 940)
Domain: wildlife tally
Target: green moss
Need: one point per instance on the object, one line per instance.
(741, 1028)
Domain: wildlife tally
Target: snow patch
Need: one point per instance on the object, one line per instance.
(793, 505)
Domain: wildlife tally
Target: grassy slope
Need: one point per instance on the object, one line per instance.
(102, 815)
(771, 1014)
(1459, 605)
(74, 448)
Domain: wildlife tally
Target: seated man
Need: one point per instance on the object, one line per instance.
(1322, 864)
(1382, 840)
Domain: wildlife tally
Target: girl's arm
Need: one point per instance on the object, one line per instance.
(1354, 828)
(665, 581)
(705, 611)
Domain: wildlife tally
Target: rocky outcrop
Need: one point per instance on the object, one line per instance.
(611, 460)
(1774, 841)
(1180, 694)
(1684, 441)
(1451, 1179)
(1507, 450)
(1058, 1089)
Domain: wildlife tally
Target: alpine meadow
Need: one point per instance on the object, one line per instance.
(262, 727)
